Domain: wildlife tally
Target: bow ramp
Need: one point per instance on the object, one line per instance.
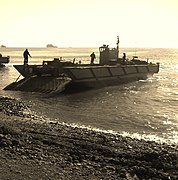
(45, 84)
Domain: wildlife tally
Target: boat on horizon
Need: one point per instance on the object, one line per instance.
(58, 75)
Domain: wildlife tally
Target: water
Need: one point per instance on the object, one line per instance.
(143, 109)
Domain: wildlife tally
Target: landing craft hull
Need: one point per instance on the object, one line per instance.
(98, 82)
(110, 73)
(96, 72)
(4, 60)
(78, 78)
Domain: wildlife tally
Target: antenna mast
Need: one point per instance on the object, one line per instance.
(117, 46)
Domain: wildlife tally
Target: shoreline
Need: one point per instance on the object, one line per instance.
(31, 148)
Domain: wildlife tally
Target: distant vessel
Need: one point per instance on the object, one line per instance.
(3, 46)
(58, 75)
(4, 60)
(50, 46)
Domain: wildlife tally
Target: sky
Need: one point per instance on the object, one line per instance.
(89, 23)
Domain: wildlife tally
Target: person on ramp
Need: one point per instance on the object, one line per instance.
(25, 55)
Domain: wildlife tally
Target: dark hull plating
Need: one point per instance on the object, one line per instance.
(79, 78)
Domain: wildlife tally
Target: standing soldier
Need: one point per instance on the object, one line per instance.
(92, 58)
(25, 55)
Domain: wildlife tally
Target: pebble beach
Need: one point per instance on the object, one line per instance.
(32, 148)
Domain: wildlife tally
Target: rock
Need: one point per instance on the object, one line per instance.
(77, 153)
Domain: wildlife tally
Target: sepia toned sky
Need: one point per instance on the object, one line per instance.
(89, 23)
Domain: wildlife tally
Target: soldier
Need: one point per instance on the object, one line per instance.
(25, 55)
(92, 55)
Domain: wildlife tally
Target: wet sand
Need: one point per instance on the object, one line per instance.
(32, 148)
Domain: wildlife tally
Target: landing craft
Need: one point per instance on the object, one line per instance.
(57, 75)
(4, 60)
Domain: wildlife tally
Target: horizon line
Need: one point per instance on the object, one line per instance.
(26, 47)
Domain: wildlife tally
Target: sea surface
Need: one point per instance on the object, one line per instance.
(145, 109)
